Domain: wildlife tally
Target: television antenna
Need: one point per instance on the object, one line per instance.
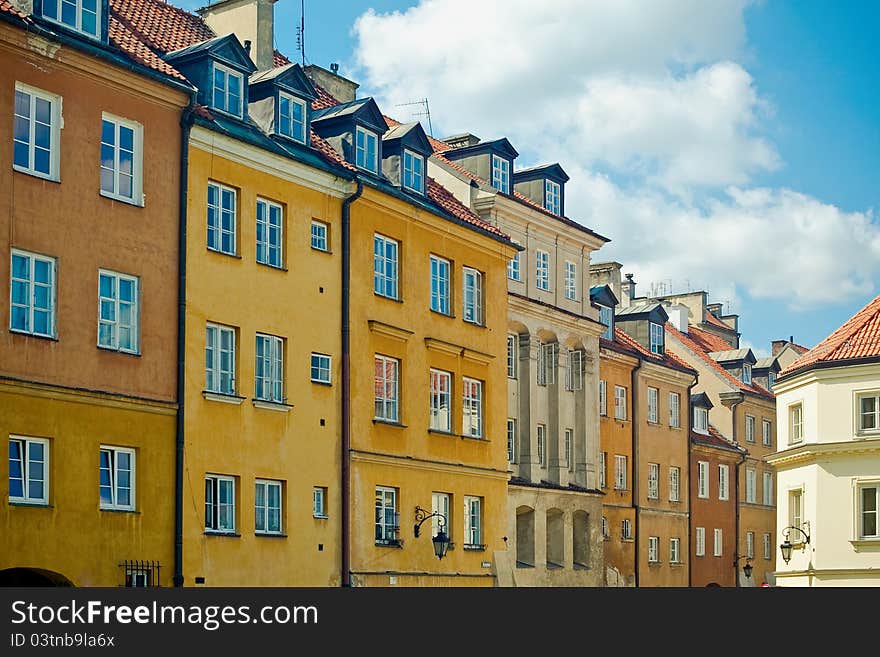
(426, 112)
(301, 32)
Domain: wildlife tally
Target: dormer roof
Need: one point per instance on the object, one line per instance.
(769, 363)
(289, 78)
(602, 295)
(552, 171)
(501, 146)
(363, 111)
(701, 400)
(411, 135)
(733, 356)
(652, 311)
(225, 48)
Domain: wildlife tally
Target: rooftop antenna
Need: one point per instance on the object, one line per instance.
(426, 112)
(301, 32)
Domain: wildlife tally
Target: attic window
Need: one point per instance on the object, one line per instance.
(701, 420)
(606, 316)
(747, 373)
(227, 90)
(771, 379)
(292, 117)
(365, 149)
(656, 337)
(81, 15)
(501, 174)
(413, 171)
(552, 196)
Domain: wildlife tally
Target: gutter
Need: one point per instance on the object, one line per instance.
(346, 382)
(736, 495)
(635, 467)
(690, 428)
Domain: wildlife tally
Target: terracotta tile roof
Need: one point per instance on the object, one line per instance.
(444, 198)
(690, 342)
(9, 8)
(799, 348)
(161, 26)
(709, 342)
(859, 337)
(715, 439)
(711, 319)
(123, 38)
(669, 358)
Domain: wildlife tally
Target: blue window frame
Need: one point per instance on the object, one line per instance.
(413, 171)
(292, 117)
(227, 90)
(366, 149)
(606, 317)
(81, 15)
(385, 266)
(440, 285)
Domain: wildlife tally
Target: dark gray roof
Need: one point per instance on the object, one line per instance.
(730, 354)
(638, 308)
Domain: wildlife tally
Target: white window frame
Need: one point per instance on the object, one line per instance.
(30, 282)
(55, 120)
(386, 278)
(114, 503)
(768, 546)
(512, 355)
(220, 213)
(767, 488)
(387, 407)
(570, 287)
(619, 403)
(861, 415)
(440, 408)
(700, 540)
(703, 479)
(751, 485)
(653, 549)
(80, 9)
(548, 360)
(265, 508)
(117, 304)
(750, 545)
(441, 503)
(473, 521)
(273, 357)
(542, 270)
(552, 196)
(441, 285)
(362, 138)
(626, 532)
(266, 244)
(796, 423)
(569, 446)
(723, 482)
(796, 507)
(575, 380)
(674, 550)
(767, 433)
(653, 405)
(718, 542)
(242, 95)
(412, 179)
(214, 504)
(620, 472)
(472, 295)
(674, 410)
(26, 474)
(514, 271)
(319, 236)
(747, 374)
(674, 483)
(472, 408)
(603, 397)
(321, 368)
(541, 433)
(511, 440)
(319, 502)
(298, 102)
(606, 534)
(701, 420)
(137, 160)
(861, 488)
(215, 370)
(501, 174)
(750, 428)
(657, 338)
(653, 481)
(386, 499)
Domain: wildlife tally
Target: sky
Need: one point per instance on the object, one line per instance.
(732, 146)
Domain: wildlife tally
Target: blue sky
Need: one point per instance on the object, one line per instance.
(733, 146)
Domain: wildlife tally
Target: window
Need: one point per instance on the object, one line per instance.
(542, 445)
(542, 270)
(32, 294)
(269, 233)
(768, 550)
(750, 545)
(548, 357)
(387, 518)
(139, 575)
(439, 285)
(723, 482)
(267, 507)
(441, 400)
(653, 549)
(619, 402)
(656, 338)
(81, 15)
(116, 478)
(767, 488)
(674, 550)
(366, 150)
(385, 266)
(552, 196)
(750, 428)
(473, 295)
(36, 132)
(701, 419)
(320, 369)
(606, 317)
(603, 469)
(221, 218)
(603, 398)
(700, 541)
(501, 174)
(440, 503)
(413, 171)
(605, 533)
(28, 470)
(795, 423)
(619, 472)
(626, 532)
(575, 370)
(869, 413)
(653, 481)
(771, 379)
(219, 504)
(220, 359)
(674, 483)
(718, 547)
(766, 433)
(386, 371)
(703, 479)
(751, 485)
(319, 502)
(511, 440)
(747, 373)
(473, 529)
(569, 439)
(674, 410)
(514, 272)
(570, 286)
(795, 508)
(868, 512)
(121, 159)
(512, 349)
(118, 311)
(319, 232)
(269, 368)
(292, 117)
(653, 403)
(472, 408)
(227, 90)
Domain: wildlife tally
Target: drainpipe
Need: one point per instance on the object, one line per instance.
(346, 383)
(736, 496)
(186, 121)
(690, 428)
(635, 466)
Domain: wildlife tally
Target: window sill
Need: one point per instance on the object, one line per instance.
(866, 544)
(627, 540)
(443, 432)
(390, 543)
(222, 397)
(115, 510)
(322, 383)
(442, 314)
(387, 298)
(271, 266)
(224, 253)
(676, 564)
(320, 517)
(655, 563)
(268, 405)
(554, 566)
(270, 534)
(36, 174)
(111, 350)
(232, 534)
(54, 338)
(474, 547)
(42, 505)
(477, 438)
(477, 324)
(121, 199)
(327, 251)
(390, 423)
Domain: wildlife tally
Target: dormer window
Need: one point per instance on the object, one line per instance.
(657, 338)
(366, 149)
(701, 420)
(292, 117)
(606, 317)
(81, 15)
(227, 90)
(501, 174)
(413, 171)
(747, 374)
(771, 379)
(552, 196)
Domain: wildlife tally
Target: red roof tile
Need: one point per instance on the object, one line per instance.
(161, 26)
(125, 40)
(9, 8)
(708, 341)
(444, 198)
(669, 358)
(711, 319)
(859, 337)
(715, 439)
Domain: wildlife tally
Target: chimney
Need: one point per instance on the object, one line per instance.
(342, 89)
(627, 291)
(460, 141)
(715, 309)
(249, 20)
(678, 316)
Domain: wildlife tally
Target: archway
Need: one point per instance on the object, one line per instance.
(28, 577)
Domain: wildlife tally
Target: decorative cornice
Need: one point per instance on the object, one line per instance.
(389, 330)
(477, 356)
(809, 452)
(444, 347)
(85, 396)
(401, 461)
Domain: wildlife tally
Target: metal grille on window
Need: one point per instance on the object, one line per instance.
(140, 574)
